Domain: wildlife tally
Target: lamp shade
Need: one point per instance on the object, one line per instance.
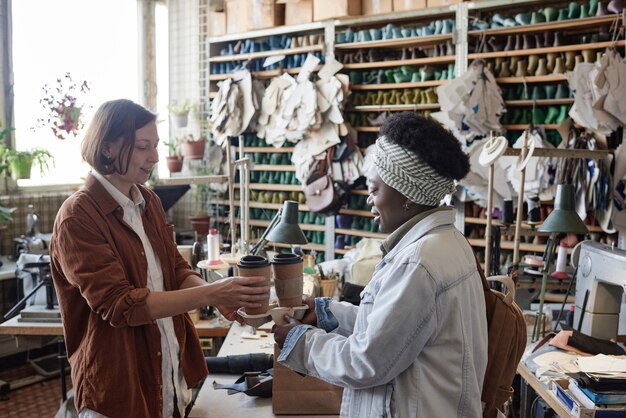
(287, 230)
(564, 218)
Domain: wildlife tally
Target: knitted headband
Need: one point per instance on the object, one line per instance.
(406, 172)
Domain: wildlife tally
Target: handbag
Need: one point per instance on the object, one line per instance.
(324, 196)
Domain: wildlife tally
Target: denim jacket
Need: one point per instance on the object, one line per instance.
(417, 344)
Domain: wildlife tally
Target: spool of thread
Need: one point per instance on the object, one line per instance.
(561, 263)
(534, 209)
(507, 212)
(213, 247)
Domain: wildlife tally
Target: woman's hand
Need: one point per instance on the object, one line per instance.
(232, 293)
(280, 332)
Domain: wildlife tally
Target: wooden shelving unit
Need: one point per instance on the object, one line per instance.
(487, 6)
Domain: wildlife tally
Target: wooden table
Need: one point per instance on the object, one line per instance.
(529, 379)
(205, 328)
(216, 402)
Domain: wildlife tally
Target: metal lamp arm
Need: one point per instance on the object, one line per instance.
(263, 240)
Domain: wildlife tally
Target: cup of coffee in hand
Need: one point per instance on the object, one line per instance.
(256, 265)
(288, 279)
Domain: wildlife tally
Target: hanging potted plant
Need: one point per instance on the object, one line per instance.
(175, 157)
(19, 163)
(194, 147)
(63, 111)
(180, 113)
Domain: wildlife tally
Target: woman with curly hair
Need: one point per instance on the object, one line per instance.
(417, 344)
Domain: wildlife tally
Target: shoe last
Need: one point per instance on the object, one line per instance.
(573, 10)
(537, 18)
(559, 66)
(551, 14)
(616, 6)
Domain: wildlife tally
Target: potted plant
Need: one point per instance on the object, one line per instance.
(63, 111)
(201, 221)
(179, 112)
(194, 147)
(6, 216)
(175, 157)
(19, 163)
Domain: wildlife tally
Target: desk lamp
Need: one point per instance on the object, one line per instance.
(563, 219)
(283, 228)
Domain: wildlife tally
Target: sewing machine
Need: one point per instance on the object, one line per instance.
(600, 287)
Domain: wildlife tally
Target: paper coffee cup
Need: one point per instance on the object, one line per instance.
(256, 265)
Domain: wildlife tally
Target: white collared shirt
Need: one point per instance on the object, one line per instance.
(172, 376)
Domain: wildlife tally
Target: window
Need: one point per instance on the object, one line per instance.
(93, 40)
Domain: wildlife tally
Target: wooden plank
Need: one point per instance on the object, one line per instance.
(264, 54)
(397, 43)
(176, 181)
(394, 108)
(532, 79)
(398, 63)
(566, 24)
(386, 86)
(540, 51)
(561, 153)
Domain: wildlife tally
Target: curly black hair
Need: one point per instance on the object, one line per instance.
(430, 141)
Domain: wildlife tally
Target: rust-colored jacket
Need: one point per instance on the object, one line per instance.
(99, 271)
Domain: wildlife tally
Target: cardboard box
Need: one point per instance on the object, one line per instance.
(328, 9)
(296, 394)
(217, 23)
(262, 14)
(298, 11)
(245, 15)
(374, 7)
(234, 21)
(441, 3)
(401, 5)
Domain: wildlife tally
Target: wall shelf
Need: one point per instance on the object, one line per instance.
(539, 51)
(387, 86)
(265, 54)
(177, 181)
(398, 63)
(542, 102)
(397, 43)
(550, 78)
(270, 167)
(268, 149)
(273, 187)
(566, 24)
(393, 108)
(262, 74)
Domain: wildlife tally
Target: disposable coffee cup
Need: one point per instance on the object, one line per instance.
(256, 265)
(288, 279)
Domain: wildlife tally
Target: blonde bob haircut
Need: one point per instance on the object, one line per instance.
(114, 120)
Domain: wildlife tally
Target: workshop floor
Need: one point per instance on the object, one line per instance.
(37, 400)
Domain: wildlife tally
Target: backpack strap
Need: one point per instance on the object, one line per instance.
(509, 297)
(508, 283)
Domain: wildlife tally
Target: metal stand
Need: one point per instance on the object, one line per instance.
(44, 279)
